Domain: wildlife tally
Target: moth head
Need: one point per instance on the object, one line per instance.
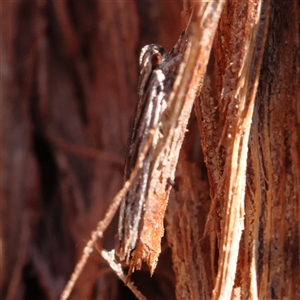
(151, 55)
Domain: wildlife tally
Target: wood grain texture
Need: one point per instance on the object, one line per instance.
(69, 72)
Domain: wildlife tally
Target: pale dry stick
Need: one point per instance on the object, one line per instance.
(109, 256)
(102, 225)
(245, 91)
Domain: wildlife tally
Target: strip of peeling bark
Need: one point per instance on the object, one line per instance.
(248, 115)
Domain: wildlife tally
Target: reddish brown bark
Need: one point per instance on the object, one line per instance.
(69, 75)
(69, 72)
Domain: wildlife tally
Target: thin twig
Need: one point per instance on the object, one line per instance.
(109, 256)
(102, 225)
(79, 267)
(105, 156)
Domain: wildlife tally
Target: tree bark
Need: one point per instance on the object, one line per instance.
(69, 72)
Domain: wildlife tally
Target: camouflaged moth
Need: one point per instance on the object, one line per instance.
(142, 211)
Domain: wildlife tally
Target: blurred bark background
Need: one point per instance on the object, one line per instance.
(69, 72)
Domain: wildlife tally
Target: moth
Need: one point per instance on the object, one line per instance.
(168, 86)
(142, 211)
